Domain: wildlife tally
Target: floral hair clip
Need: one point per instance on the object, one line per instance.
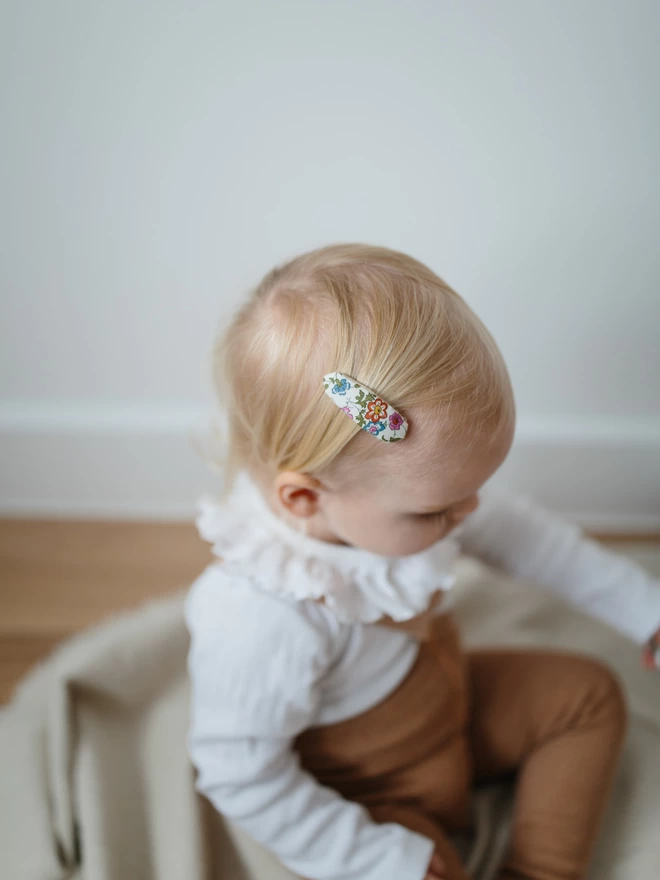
(368, 410)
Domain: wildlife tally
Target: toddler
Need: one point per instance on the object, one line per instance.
(335, 717)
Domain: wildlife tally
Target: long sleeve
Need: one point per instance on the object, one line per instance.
(518, 536)
(254, 677)
(258, 784)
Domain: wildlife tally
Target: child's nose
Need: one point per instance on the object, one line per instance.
(465, 508)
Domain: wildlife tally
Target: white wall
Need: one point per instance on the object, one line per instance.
(158, 157)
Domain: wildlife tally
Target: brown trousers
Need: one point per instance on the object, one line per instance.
(555, 720)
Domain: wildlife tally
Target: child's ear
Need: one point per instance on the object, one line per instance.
(297, 493)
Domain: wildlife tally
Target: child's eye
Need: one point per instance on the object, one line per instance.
(432, 515)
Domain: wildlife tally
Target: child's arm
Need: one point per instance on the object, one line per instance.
(258, 784)
(254, 667)
(522, 538)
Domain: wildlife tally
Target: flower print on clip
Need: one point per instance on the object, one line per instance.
(367, 409)
(396, 420)
(376, 410)
(341, 386)
(376, 428)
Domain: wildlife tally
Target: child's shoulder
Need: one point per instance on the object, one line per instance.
(221, 607)
(256, 654)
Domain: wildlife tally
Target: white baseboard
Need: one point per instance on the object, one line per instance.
(143, 463)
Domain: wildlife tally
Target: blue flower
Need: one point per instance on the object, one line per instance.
(376, 428)
(340, 386)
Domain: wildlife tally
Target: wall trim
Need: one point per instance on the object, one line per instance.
(144, 462)
(46, 416)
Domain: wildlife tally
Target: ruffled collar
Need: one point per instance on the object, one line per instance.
(359, 586)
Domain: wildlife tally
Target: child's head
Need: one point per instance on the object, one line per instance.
(389, 322)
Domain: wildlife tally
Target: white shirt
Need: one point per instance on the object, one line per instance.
(265, 664)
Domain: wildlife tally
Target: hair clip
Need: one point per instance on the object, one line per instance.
(365, 407)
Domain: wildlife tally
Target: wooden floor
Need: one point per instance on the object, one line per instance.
(57, 577)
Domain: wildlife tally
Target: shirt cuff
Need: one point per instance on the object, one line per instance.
(412, 858)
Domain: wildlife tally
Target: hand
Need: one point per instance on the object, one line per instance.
(651, 652)
(436, 869)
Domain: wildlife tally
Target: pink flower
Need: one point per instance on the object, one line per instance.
(347, 411)
(396, 421)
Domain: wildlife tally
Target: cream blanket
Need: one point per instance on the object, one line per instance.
(95, 781)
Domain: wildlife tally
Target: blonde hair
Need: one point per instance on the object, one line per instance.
(375, 314)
